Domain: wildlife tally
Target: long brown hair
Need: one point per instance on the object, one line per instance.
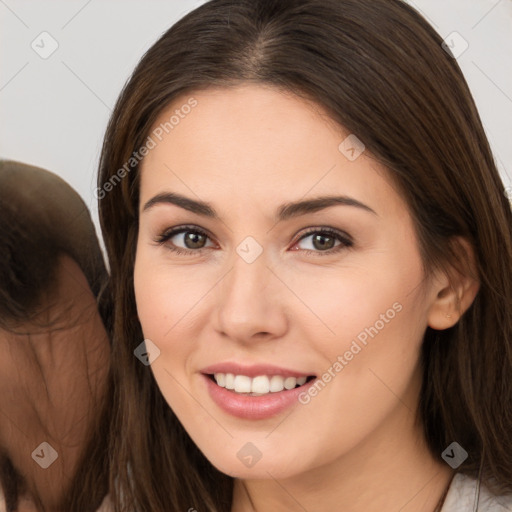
(380, 70)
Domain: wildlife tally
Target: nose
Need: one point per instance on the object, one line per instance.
(251, 302)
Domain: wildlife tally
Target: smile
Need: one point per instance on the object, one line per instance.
(259, 385)
(255, 398)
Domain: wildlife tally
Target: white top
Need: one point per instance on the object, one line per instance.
(461, 497)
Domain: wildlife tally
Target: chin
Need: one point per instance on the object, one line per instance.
(242, 460)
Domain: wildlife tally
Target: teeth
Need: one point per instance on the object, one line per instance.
(276, 383)
(242, 384)
(229, 381)
(290, 382)
(260, 385)
(221, 379)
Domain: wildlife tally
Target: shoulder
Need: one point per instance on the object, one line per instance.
(463, 496)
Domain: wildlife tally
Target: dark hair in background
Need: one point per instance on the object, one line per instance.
(41, 218)
(379, 69)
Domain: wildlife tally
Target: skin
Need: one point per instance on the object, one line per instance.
(51, 380)
(247, 150)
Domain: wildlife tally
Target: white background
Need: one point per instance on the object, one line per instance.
(54, 111)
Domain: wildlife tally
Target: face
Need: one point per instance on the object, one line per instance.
(312, 310)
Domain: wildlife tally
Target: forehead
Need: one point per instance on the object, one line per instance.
(253, 116)
(260, 142)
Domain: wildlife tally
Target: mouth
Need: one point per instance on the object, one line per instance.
(260, 385)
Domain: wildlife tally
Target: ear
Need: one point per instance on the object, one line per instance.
(454, 289)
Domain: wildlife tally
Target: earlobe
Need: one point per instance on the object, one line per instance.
(455, 291)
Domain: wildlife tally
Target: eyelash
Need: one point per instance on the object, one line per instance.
(345, 240)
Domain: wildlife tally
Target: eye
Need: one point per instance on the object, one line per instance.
(323, 241)
(192, 238)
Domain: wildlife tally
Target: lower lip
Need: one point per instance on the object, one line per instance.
(254, 407)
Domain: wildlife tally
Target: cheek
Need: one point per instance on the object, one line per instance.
(159, 317)
(151, 297)
(373, 324)
(344, 303)
(147, 298)
(379, 318)
(167, 303)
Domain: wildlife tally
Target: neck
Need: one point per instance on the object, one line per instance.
(405, 485)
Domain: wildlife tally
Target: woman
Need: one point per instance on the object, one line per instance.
(310, 251)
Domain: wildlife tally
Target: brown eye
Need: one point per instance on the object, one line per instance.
(184, 240)
(194, 240)
(325, 241)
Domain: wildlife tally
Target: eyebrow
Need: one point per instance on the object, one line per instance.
(284, 212)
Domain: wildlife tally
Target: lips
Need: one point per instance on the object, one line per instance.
(257, 391)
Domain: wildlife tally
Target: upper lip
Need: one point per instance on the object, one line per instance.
(253, 370)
